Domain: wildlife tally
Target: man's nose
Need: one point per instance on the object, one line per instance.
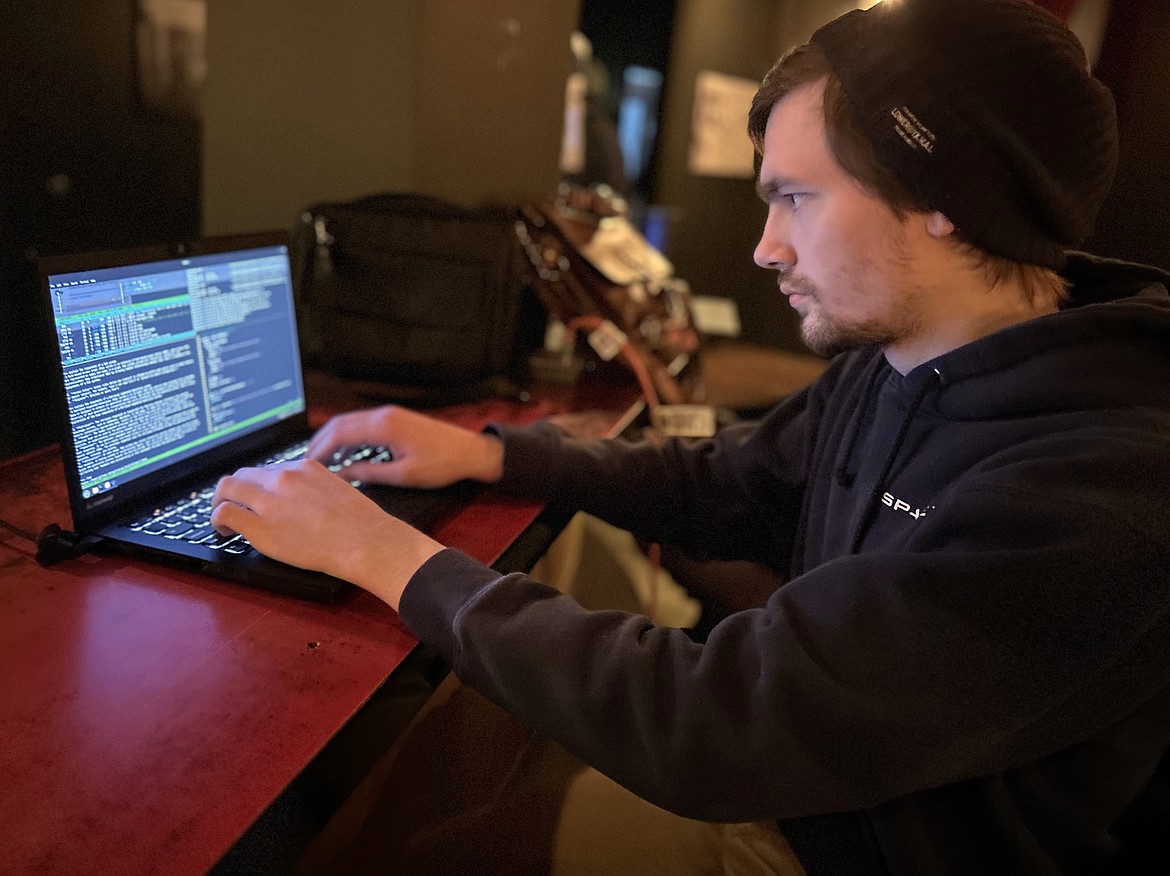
(775, 250)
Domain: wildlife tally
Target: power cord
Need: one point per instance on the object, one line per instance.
(16, 530)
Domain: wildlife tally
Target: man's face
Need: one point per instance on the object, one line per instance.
(846, 262)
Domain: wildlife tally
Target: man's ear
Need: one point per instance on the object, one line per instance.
(938, 225)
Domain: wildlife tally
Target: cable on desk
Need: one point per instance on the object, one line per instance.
(16, 530)
(632, 359)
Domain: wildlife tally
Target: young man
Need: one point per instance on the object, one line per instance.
(967, 668)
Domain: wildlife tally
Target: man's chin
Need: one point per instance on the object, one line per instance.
(826, 349)
(828, 344)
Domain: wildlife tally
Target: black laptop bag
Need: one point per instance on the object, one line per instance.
(427, 298)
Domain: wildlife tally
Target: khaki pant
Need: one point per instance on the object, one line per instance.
(603, 828)
(469, 790)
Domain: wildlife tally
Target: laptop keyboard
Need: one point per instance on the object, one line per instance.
(189, 517)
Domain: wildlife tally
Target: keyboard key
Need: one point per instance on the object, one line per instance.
(217, 541)
(199, 533)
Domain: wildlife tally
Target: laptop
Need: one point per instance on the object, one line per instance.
(178, 365)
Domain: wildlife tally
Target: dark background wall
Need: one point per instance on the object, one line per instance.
(84, 164)
(1135, 63)
(313, 101)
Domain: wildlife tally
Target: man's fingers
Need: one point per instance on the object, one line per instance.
(342, 431)
(239, 497)
(229, 518)
(389, 473)
(239, 488)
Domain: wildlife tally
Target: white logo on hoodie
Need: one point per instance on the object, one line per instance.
(891, 501)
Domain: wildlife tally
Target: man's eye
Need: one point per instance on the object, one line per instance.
(794, 199)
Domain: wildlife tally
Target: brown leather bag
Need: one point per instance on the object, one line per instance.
(589, 264)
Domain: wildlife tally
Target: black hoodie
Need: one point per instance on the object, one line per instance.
(968, 670)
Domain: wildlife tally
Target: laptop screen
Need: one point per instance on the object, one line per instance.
(164, 360)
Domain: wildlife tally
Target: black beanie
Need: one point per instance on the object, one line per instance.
(986, 111)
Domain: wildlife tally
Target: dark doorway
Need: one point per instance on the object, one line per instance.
(87, 164)
(634, 49)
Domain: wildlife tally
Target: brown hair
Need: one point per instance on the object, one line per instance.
(805, 64)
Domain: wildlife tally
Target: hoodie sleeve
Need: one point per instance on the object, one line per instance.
(737, 495)
(1001, 636)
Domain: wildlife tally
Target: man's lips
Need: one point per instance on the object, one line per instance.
(794, 294)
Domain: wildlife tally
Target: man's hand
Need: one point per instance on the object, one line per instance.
(302, 514)
(426, 452)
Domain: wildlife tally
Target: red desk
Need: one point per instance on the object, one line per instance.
(149, 716)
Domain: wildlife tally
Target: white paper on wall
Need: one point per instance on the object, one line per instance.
(720, 145)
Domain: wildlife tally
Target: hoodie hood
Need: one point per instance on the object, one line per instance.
(1107, 349)
(1109, 346)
